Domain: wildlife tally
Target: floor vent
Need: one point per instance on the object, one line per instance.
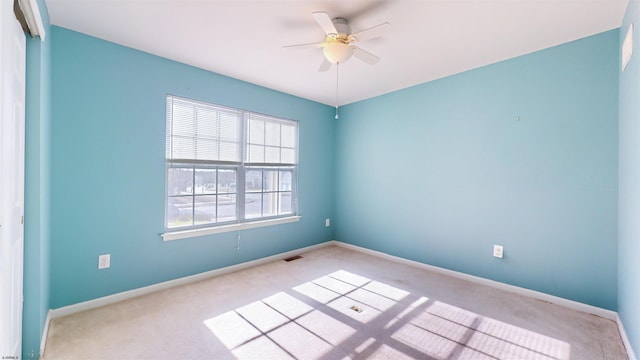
(293, 258)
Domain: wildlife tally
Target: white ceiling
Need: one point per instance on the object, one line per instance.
(427, 40)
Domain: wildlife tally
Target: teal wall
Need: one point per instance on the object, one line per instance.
(37, 190)
(629, 188)
(522, 153)
(108, 169)
(440, 172)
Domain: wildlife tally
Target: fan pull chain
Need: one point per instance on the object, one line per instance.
(337, 70)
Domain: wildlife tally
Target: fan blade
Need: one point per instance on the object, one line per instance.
(372, 32)
(304, 46)
(323, 19)
(365, 56)
(325, 65)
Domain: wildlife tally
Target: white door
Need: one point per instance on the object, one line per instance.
(12, 94)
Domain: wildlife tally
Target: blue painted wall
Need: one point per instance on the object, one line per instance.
(37, 190)
(629, 188)
(521, 153)
(108, 169)
(435, 173)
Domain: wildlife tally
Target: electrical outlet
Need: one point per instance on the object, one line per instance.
(498, 251)
(104, 261)
(327, 222)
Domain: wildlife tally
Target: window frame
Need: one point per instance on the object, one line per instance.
(241, 167)
(194, 194)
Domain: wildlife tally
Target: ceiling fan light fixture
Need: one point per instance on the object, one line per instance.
(337, 52)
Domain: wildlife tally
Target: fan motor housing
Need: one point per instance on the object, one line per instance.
(342, 25)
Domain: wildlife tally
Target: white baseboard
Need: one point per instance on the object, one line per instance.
(590, 309)
(110, 299)
(45, 334)
(625, 339)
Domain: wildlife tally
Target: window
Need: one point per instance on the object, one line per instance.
(227, 166)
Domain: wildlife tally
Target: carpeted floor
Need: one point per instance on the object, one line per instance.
(333, 303)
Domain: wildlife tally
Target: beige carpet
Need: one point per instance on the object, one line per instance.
(333, 303)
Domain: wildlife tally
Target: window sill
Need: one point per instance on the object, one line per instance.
(175, 235)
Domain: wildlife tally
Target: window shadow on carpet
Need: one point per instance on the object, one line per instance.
(345, 315)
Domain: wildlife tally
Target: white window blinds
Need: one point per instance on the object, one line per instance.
(270, 141)
(227, 165)
(202, 132)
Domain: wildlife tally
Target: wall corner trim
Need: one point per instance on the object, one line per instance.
(625, 340)
(45, 333)
(33, 17)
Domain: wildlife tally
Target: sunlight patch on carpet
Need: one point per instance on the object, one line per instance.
(302, 343)
(378, 302)
(391, 292)
(343, 306)
(262, 316)
(350, 278)
(263, 346)
(287, 305)
(231, 329)
(334, 285)
(343, 315)
(317, 292)
(326, 327)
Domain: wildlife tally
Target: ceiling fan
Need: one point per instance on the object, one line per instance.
(339, 43)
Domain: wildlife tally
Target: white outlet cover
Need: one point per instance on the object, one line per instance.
(498, 251)
(327, 222)
(104, 261)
